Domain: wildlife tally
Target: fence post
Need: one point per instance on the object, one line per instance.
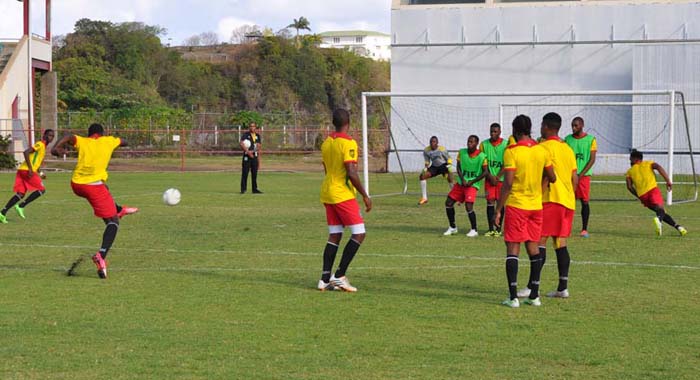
(284, 135)
(216, 135)
(183, 140)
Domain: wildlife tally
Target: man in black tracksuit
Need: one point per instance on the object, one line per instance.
(250, 157)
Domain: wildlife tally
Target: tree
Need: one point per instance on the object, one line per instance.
(300, 24)
(195, 40)
(209, 38)
(241, 33)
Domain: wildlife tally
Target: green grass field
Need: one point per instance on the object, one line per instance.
(222, 286)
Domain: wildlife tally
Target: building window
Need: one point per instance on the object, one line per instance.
(359, 39)
(336, 40)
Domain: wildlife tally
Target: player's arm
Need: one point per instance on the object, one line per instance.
(660, 169)
(574, 178)
(426, 158)
(549, 174)
(630, 186)
(484, 173)
(459, 172)
(59, 149)
(351, 168)
(123, 142)
(27, 152)
(505, 193)
(590, 162)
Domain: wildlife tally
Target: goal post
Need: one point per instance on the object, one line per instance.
(655, 122)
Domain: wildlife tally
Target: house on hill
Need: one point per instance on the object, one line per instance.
(368, 44)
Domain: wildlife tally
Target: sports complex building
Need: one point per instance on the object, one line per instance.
(622, 65)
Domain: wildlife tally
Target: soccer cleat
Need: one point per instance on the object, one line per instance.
(584, 234)
(472, 233)
(126, 210)
(343, 284)
(450, 231)
(511, 303)
(524, 292)
(257, 192)
(658, 225)
(497, 233)
(422, 201)
(3, 219)
(323, 286)
(682, 230)
(20, 211)
(559, 294)
(100, 264)
(490, 233)
(533, 301)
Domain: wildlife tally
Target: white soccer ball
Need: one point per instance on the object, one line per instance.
(171, 197)
(246, 144)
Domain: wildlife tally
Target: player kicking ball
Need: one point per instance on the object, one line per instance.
(89, 182)
(471, 169)
(641, 182)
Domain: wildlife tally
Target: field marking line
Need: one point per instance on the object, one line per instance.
(381, 255)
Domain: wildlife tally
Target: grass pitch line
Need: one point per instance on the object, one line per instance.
(319, 254)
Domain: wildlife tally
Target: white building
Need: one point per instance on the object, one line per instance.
(455, 46)
(368, 44)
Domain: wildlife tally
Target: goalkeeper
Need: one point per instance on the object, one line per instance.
(437, 161)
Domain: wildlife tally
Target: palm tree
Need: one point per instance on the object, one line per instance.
(300, 24)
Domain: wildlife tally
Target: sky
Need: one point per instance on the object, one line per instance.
(185, 18)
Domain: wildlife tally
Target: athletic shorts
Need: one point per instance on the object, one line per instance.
(652, 198)
(583, 190)
(24, 184)
(99, 197)
(556, 220)
(493, 192)
(522, 225)
(461, 194)
(437, 170)
(345, 213)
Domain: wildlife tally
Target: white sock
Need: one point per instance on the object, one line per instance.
(424, 188)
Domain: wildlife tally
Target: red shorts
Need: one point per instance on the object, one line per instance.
(556, 220)
(522, 225)
(493, 192)
(652, 198)
(24, 184)
(583, 190)
(99, 197)
(345, 213)
(461, 194)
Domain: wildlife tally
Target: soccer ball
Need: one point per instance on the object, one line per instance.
(171, 197)
(246, 144)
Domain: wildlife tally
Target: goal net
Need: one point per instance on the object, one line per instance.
(656, 123)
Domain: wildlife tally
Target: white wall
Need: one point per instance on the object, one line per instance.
(538, 67)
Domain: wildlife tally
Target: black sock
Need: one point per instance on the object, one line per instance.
(108, 238)
(490, 214)
(32, 197)
(472, 219)
(585, 213)
(13, 201)
(543, 256)
(512, 275)
(451, 216)
(348, 254)
(563, 263)
(119, 208)
(535, 271)
(328, 260)
(667, 218)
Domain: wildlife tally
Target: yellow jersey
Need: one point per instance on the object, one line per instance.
(643, 177)
(564, 161)
(94, 154)
(338, 149)
(37, 157)
(528, 160)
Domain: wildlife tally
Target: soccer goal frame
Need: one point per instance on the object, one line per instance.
(669, 101)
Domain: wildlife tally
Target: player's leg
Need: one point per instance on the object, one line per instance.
(535, 273)
(512, 253)
(244, 174)
(254, 175)
(585, 215)
(335, 233)
(469, 206)
(349, 213)
(563, 263)
(424, 176)
(13, 201)
(33, 184)
(583, 193)
(542, 249)
(31, 198)
(455, 195)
